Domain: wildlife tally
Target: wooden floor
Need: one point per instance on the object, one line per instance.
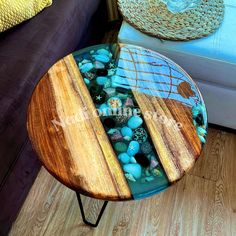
(202, 203)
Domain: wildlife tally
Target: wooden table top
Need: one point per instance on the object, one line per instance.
(117, 122)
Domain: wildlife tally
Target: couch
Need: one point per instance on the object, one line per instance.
(211, 61)
(27, 51)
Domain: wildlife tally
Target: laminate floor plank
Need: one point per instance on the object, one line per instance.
(209, 165)
(184, 209)
(225, 195)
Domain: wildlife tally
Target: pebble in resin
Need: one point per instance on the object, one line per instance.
(140, 135)
(127, 138)
(107, 84)
(134, 169)
(85, 61)
(129, 103)
(134, 122)
(111, 72)
(149, 178)
(133, 148)
(110, 91)
(104, 51)
(133, 160)
(104, 109)
(112, 131)
(101, 80)
(102, 58)
(153, 164)
(146, 147)
(89, 75)
(120, 147)
(117, 137)
(98, 65)
(130, 177)
(95, 90)
(86, 67)
(142, 159)
(87, 81)
(100, 98)
(127, 132)
(101, 72)
(201, 131)
(121, 119)
(157, 172)
(114, 102)
(122, 96)
(109, 122)
(124, 158)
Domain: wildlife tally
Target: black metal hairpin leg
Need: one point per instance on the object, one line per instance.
(83, 215)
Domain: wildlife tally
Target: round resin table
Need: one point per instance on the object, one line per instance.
(117, 122)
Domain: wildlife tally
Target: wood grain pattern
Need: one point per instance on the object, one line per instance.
(78, 154)
(195, 206)
(178, 149)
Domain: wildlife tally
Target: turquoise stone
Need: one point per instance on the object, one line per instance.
(85, 61)
(134, 169)
(107, 84)
(86, 67)
(111, 72)
(101, 80)
(134, 122)
(112, 131)
(87, 81)
(102, 58)
(201, 131)
(122, 96)
(133, 148)
(199, 116)
(130, 177)
(110, 91)
(124, 158)
(203, 140)
(103, 51)
(104, 109)
(127, 132)
(149, 178)
(133, 160)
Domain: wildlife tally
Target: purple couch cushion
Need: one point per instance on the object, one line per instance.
(26, 52)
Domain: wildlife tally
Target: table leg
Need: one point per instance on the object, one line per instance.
(83, 215)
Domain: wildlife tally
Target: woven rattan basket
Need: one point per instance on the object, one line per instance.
(152, 17)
